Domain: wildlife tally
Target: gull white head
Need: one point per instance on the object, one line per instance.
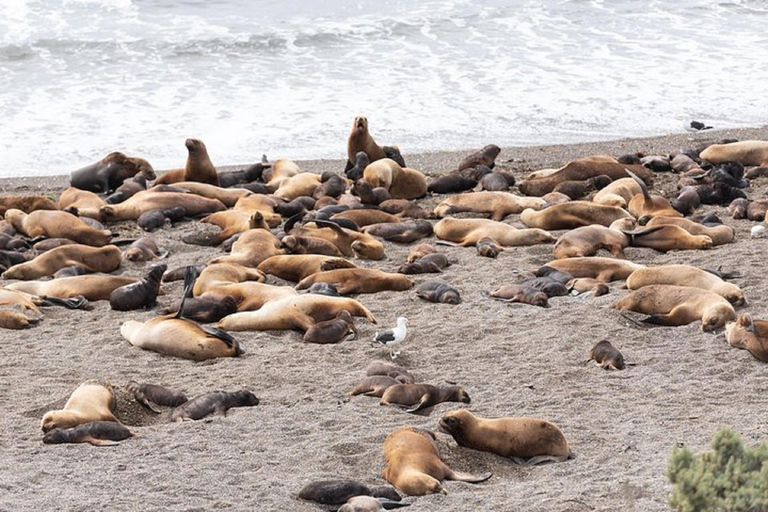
(401, 320)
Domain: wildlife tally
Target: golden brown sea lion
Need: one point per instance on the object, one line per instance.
(422, 396)
(251, 248)
(413, 465)
(109, 173)
(667, 238)
(603, 269)
(262, 204)
(746, 152)
(149, 200)
(295, 267)
(198, 166)
(573, 214)
(231, 223)
(720, 234)
(144, 249)
(360, 140)
(358, 280)
(57, 224)
(496, 204)
(366, 217)
(419, 251)
(588, 240)
(468, 232)
(686, 275)
(280, 170)
(349, 242)
(679, 305)
(749, 334)
(27, 204)
(81, 202)
(91, 401)
(374, 385)
(93, 286)
(309, 245)
(618, 193)
(645, 206)
(607, 356)
(228, 196)
(579, 170)
(528, 441)
(17, 310)
(95, 259)
(400, 182)
(302, 184)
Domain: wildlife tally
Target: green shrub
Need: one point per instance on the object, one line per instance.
(729, 478)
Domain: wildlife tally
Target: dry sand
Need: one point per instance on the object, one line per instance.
(513, 359)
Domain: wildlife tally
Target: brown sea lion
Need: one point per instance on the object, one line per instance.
(578, 189)
(149, 200)
(27, 204)
(645, 206)
(749, 334)
(572, 214)
(280, 170)
(129, 188)
(413, 465)
(349, 242)
(57, 224)
(527, 441)
(332, 185)
(365, 217)
(302, 184)
(607, 356)
(231, 222)
(401, 232)
(400, 182)
(422, 396)
(358, 280)
(95, 259)
(603, 269)
(738, 208)
(720, 234)
(488, 247)
(51, 243)
(309, 245)
(496, 204)
(679, 305)
(97, 433)
(17, 310)
(109, 173)
(397, 372)
(215, 275)
(579, 170)
(618, 193)
(405, 208)
(228, 196)
(144, 249)
(686, 275)
(428, 264)
(439, 292)
(588, 240)
(486, 156)
(746, 152)
(757, 209)
(198, 166)
(355, 172)
(216, 403)
(263, 204)
(375, 385)
(251, 248)
(92, 287)
(522, 294)
(419, 251)
(555, 198)
(152, 220)
(587, 284)
(331, 331)
(142, 294)
(667, 238)
(468, 232)
(91, 401)
(295, 267)
(160, 395)
(338, 492)
(450, 184)
(81, 203)
(370, 195)
(361, 141)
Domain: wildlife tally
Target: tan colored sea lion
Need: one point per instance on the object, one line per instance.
(645, 206)
(686, 275)
(422, 396)
(749, 334)
(679, 305)
(149, 200)
(247, 296)
(281, 169)
(198, 166)
(588, 240)
(667, 238)
(91, 401)
(618, 193)
(144, 249)
(218, 274)
(746, 152)
(528, 441)
(228, 196)
(366, 217)
(468, 232)
(419, 251)
(57, 224)
(81, 202)
(17, 310)
(231, 223)
(400, 182)
(302, 184)
(413, 465)
(309, 245)
(294, 313)
(602, 269)
(251, 248)
(360, 140)
(349, 242)
(573, 214)
(496, 204)
(109, 173)
(358, 280)
(95, 259)
(720, 234)
(93, 286)
(262, 204)
(579, 170)
(27, 204)
(295, 267)
(521, 293)
(374, 385)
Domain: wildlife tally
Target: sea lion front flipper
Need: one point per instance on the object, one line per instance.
(189, 284)
(99, 442)
(162, 253)
(466, 477)
(421, 405)
(533, 461)
(140, 398)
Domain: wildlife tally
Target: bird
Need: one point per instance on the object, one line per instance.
(696, 126)
(392, 337)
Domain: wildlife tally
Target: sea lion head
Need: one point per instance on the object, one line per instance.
(361, 125)
(15, 217)
(143, 169)
(58, 419)
(55, 436)
(246, 398)
(716, 316)
(456, 423)
(458, 394)
(195, 146)
(373, 250)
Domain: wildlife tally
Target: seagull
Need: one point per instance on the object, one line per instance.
(696, 126)
(392, 337)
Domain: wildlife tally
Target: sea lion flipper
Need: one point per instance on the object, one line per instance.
(143, 401)
(421, 405)
(292, 221)
(78, 302)
(99, 442)
(389, 504)
(218, 333)
(189, 284)
(466, 477)
(329, 224)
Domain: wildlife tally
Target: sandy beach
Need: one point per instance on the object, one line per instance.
(513, 359)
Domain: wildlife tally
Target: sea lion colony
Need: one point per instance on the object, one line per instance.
(287, 230)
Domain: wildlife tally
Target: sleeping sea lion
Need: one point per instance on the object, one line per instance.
(749, 334)
(607, 356)
(422, 396)
(358, 280)
(686, 275)
(216, 403)
(97, 433)
(95, 259)
(91, 401)
(468, 232)
(331, 331)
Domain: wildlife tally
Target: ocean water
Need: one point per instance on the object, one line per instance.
(81, 78)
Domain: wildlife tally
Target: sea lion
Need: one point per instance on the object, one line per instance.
(355, 172)
(144, 249)
(486, 156)
(142, 294)
(413, 465)
(757, 209)
(160, 395)
(331, 331)
(686, 275)
(11, 243)
(488, 247)
(375, 385)
(428, 264)
(419, 251)
(607, 356)
(495, 182)
(216, 403)
(522, 294)
(438, 291)
(251, 248)
(578, 189)
(231, 222)
(92, 287)
(97, 433)
(244, 176)
(370, 195)
(338, 492)
(398, 373)
(215, 275)
(746, 152)
(679, 305)
(9, 259)
(496, 204)
(57, 224)
(296, 267)
(228, 196)
(209, 308)
(198, 167)
(27, 204)
(109, 173)
(95, 259)
(738, 208)
(667, 238)
(309, 245)
(450, 184)
(129, 188)
(645, 206)
(332, 185)
(91, 401)
(405, 208)
(149, 200)
(572, 214)
(401, 232)
(302, 184)
(749, 334)
(349, 242)
(588, 240)
(370, 504)
(17, 310)
(400, 182)
(365, 217)
(603, 269)
(468, 232)
(152, 220)
(422, 396)
(579, 170)
(587, 284)
(550, 286)
(719, 234)
(527, 441)
(618, 193)
(358, 280)
(361, 141)
(281, 169)
(81, 203)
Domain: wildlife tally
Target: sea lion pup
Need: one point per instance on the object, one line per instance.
(413, 465)
(144, 249)
(401, 232)
(361, 141)
(667, 238)
(160, 395)
(746, 152)
(92, 287)
(428, 264)
(358, 280)
(10, 243)
(370, 504)
(645, 206)
(295, 267)
(231, 222)
(50, 243)
(109, 173)
(450, 183)
(91, 401)
(397, 372)
(602, 269)
(355, 172)
(686, 275)
(281, 169)
(374, 385)
(488, 247)
(738, 208)
(749, 334)
(338, 492)
(152, 220)
(757, 209)
(588, 240)
(550, 286)
(142, 294)
(9, 259)
(607, 356)
(57, 224)
(421, 396)
(496, 204)
(618, 193)
(468, 232)
(309, 245)
(528, 441)
(332, 185)
(81, 203)
(679, 305)
(17, 310)
(149, 200)
(438, 291)
(216, 403)
(419, 251)
(95, 259)
(404, 208)
(522, 294)
(369, 195)
(331, 331)
(129, 188)
(349, 242)
(486, 156)
(302, 184)
(27, 204)
(198, 167)
(587, 284)
(251, 248)
(573, 214)
(720, 234)
(180, 273)
(294, 313)
(579, 170)
(365, 217)
(400, 182)
(578, 189)
(97, 433)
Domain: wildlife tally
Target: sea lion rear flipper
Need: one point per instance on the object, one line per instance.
(421, 405)
(162, 253)
(389, 504)
(330, 224)
(218, 333)
(466, 477)
(99, 442)
(123, 241)
(189, 285)
(140, 398)
(446, 242)
(292, 221)
(643, 186)
(78, 302)
(668, 319)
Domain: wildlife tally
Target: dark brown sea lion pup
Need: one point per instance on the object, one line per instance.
(390, 369)
(375, 385)
(355, 172)
(422, 396)
(579, 170)
(488, 247)
(358, 280)
(429, 264)
(309, 245)
(97, 433)
(450, 184)
(331, 331)
(749, 334)
(109, 173)
(129, 188)
(527, 441)
(607, 356)
(57, 224)
(160, 395)
(95, 259)
(419, 251)
(216, 403)
(360, 140)
(438, 291)
(686, 275)
(144, 249)
(413, 465)
(138, 295)
(152, 220)
(338, 492)
(679, 305)
(27, 204)
(91, 401)
(486, 156)
(522, 294)
(198, 166)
